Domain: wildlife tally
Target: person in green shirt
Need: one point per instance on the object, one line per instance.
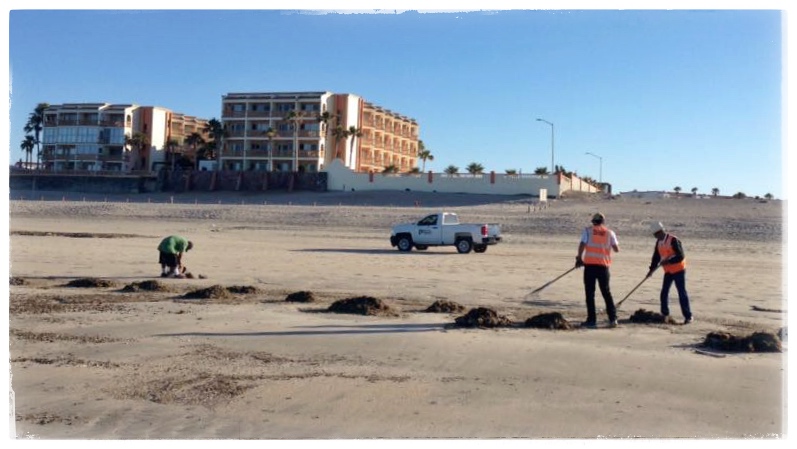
(171, 251)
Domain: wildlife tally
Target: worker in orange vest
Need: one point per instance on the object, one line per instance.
(595, 255)
(670, 254)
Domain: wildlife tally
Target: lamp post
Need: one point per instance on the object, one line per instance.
(546, 121)
(600, 159)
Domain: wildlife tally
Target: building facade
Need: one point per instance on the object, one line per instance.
(100, 136)
(306, 131)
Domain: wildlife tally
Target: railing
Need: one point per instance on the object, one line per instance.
(113, 124)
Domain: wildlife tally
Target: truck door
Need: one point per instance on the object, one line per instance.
(428, 231)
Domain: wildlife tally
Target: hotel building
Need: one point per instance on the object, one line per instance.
(306, 131)
(91, 136)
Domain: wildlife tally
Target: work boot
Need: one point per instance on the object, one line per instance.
(613, 323)
(688, 320)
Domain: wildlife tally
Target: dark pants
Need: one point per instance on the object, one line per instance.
(680, 284)
(600, 274)
(170, 260)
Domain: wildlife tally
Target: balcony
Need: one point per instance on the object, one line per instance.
(232, 113)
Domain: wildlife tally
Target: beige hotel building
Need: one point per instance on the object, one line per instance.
(303, 131)
(91, 136)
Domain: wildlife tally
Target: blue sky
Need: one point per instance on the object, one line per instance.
(665, 97)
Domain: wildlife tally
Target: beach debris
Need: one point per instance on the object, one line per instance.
(762, 309)
(221, 292)
(482, 317)
(553, 320)
(643, 316)
(301, 296)
(212, 292)
(445, 306)
(243, 289)
(361, 305)
(756, 342)
(150, 286)
(90, 283)
(17, 281)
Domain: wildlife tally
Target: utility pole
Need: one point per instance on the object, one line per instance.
(552, 133)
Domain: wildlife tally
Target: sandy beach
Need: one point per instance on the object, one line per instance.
(104, 363)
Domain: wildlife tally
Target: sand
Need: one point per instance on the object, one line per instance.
(101, 363)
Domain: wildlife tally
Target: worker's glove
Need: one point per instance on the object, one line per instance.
(579, 262)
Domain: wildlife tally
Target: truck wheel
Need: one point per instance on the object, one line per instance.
(479, 248)
(404, 243)
(421, 247)
(464, 246)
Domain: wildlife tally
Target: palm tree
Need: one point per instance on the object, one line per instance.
(541, 171)
(339, 133)
(34, 125)
(217, 132)
(510, 171)
(353, 132)
(271, 133)
(715, 191)
(206, 152)
(170, 145)
(475, 168)
(424, 155)
(694, 191)
(195, 139)
(451, 170)
(677, 190)
(769, 196)
(139, 142)
(325, 117)
(294, 118)
(27, 145)
(414, 170)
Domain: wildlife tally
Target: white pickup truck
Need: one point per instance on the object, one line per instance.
(442, 229)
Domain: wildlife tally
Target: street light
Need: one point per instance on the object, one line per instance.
(600, 176)
(546, 121)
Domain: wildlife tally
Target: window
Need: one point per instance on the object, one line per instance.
(430, 220)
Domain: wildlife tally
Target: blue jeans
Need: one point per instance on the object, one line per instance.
(680, 284)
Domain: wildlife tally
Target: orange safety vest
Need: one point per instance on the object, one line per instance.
(664, 247)
(598, 248)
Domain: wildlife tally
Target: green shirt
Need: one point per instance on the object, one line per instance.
(173, 244)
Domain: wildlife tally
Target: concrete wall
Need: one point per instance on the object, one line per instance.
(341, 178)
(83, 183)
